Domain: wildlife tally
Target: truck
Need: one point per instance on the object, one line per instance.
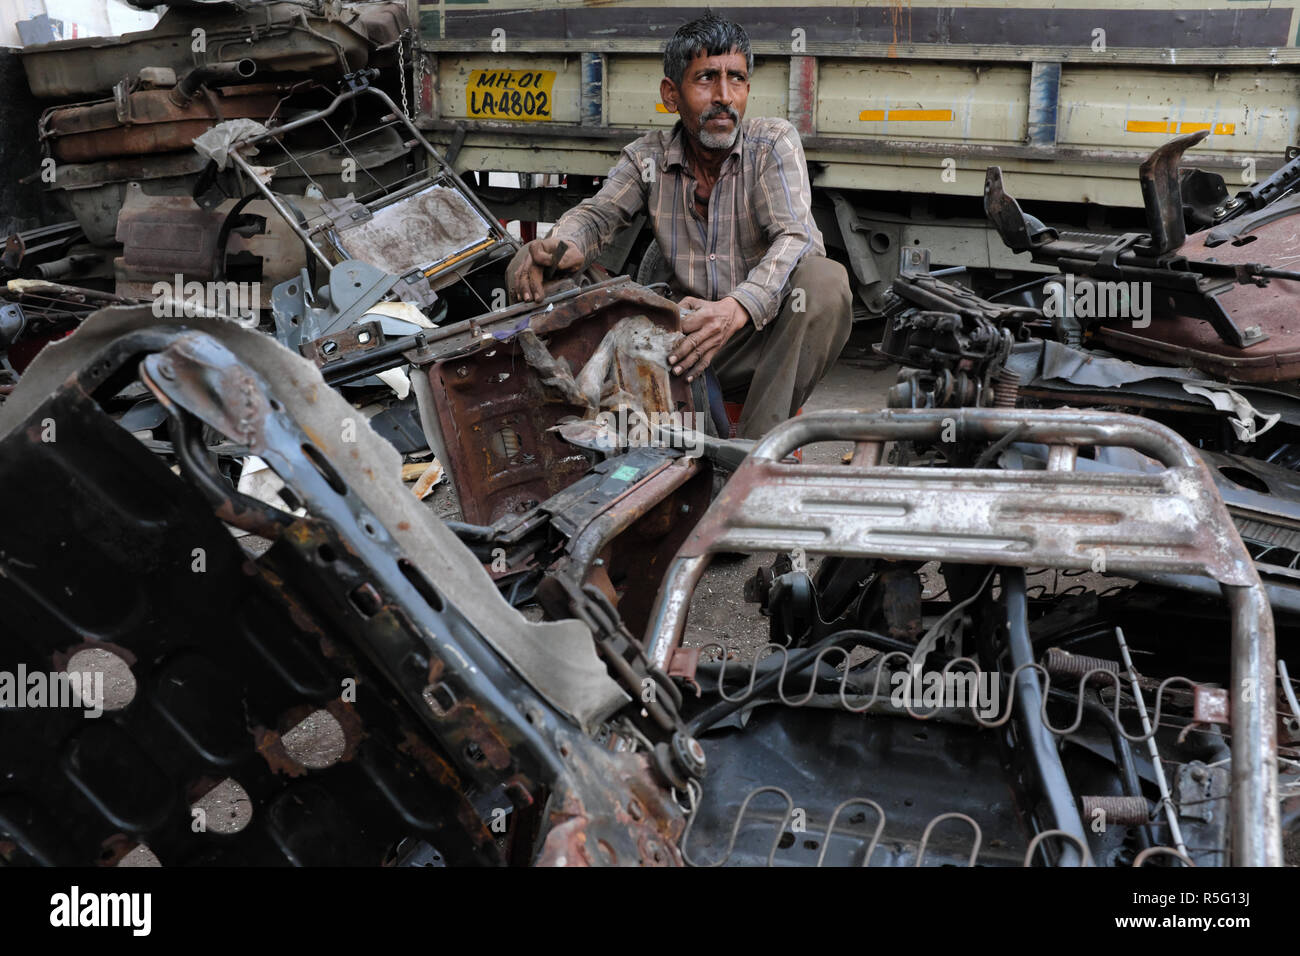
(901, 108)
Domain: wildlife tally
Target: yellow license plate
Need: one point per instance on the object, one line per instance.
(510, 94)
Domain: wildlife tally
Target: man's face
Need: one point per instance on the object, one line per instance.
(711, 98)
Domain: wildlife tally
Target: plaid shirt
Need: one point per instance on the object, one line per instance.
(758, 228)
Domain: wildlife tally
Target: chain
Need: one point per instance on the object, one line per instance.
(401, 68)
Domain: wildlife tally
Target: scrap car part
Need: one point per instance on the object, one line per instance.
(1231, 291)
(493, 415)
(95, 191)
(278, 37)
(148, 121)
(617, 526)
(953, 344)
(430, 232)
(1170, 521)
(464, 710)
(236, 241)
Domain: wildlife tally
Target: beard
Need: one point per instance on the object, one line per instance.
(711, 140)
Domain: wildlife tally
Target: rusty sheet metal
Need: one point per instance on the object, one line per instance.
(582, 835)
(495, 414)
(278, 36)
(1274, 307)
(633, 540)
(1171, 520)
(609, 808)
(149, 122)
(163, 236)
(168, 234)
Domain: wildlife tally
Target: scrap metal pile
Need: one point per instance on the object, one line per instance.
(324, 664)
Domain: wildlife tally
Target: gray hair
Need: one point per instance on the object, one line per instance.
(710, 35)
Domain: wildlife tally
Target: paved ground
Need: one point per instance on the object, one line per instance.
(719, 613)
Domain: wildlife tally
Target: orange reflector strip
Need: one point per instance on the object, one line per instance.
(1149, 126)
(660, 108)
(456, 257)
(906, 116)
(1145, 126)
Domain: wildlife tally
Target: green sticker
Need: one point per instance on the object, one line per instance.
(624, 473)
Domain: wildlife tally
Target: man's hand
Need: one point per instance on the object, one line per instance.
(524, 275)
(708, 326)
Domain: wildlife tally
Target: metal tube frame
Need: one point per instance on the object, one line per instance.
(358, 83)
(1168, 522)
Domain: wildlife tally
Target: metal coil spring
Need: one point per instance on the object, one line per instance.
(878, 832)
(1006, 389)
(1095, 674)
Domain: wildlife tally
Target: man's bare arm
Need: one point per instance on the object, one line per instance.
(592, 223)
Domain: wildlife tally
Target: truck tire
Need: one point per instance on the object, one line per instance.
(653, 268)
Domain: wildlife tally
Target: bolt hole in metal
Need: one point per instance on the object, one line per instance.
(104, 667)
(322, 465)
(417, 579)
(441, 700)
(317, 741)
(366, 599)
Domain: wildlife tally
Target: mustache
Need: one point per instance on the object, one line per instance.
(717, 111)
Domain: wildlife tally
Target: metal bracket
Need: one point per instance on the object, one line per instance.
(353, 288)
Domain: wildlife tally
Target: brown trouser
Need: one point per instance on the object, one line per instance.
(775, 368)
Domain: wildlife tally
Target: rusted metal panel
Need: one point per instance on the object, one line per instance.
(1271, 306)
(383, 592)
(168, 234)
(496, 414)
(280, 37)
(803, 94)
(148, 122)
